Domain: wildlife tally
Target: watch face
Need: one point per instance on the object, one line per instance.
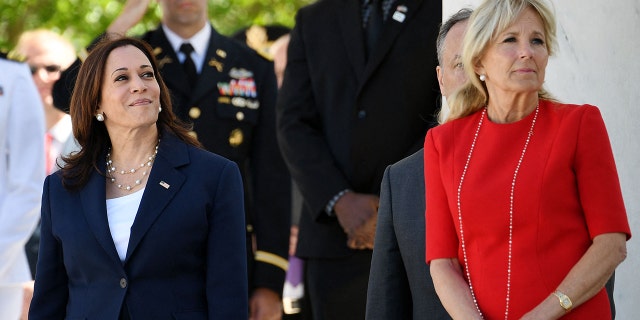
(565, 302)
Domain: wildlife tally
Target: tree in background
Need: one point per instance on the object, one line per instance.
(82, 20)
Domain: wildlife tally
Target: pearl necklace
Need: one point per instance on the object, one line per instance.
(511, 200)
(111, 169)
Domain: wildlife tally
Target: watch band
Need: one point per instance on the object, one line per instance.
(565, 302)
(332, 203)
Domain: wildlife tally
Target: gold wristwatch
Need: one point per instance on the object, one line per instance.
(565, 302)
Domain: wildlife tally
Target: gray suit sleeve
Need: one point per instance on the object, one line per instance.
(389, 295)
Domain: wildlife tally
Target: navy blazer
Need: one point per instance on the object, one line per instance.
(237, 124)
(400, 285)
(186, 254)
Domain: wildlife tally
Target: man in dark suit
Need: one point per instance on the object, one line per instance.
(228, 92)
(359, 93)
(400, 285)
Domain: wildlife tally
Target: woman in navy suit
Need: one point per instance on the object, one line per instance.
(141, 223)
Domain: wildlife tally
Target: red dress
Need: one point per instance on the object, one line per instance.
(567, 192)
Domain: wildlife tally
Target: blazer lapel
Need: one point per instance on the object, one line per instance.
(352, 35)
(163, 184)
(400, 13)
(93, 199)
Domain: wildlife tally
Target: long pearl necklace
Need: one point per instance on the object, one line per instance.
(511, 200)
(111, 170)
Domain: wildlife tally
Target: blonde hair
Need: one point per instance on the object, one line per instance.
(491, 18)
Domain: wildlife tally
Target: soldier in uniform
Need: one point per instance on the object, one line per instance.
(230, 99)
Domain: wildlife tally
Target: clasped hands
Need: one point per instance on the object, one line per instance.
(357, 213)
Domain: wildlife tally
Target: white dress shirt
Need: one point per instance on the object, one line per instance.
(199, 42)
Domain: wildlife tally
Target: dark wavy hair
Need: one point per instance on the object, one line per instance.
(92, 135)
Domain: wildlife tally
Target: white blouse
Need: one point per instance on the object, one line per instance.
(121, 212)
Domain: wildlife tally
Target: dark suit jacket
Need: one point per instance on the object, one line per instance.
(400, 285)
(341, 119)
(185, 258)
(232, 108)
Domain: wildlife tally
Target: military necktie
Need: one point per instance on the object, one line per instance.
(188, 65)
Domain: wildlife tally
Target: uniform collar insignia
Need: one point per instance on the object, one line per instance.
(216, 64)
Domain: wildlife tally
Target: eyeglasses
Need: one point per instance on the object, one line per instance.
(53, 68)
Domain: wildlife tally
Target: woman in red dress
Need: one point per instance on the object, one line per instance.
(525, 217)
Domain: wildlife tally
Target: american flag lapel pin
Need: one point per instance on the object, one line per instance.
(164, 184)
(400, 13)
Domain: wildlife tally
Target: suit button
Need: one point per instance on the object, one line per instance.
(123, 283)
(240, 116)
(362, 114)
(249, 228)
(194, 113)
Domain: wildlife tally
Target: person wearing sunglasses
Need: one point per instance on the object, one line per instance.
(49, 69)
(47, 54)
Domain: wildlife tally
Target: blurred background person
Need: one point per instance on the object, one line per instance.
(400, 286)
(47, 54)
(131, 228)
(278, 51)
(262, 38)
(525, 216)
(21, 174)
(293, 293)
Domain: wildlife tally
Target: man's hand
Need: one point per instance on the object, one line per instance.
(131, 14)
(357, 213)
(265, 304)
(364, 237)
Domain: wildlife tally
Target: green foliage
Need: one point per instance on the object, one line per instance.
(82, 20)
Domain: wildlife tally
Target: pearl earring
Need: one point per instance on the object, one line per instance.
(159, 109)
(483, 77)
(100, 117)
